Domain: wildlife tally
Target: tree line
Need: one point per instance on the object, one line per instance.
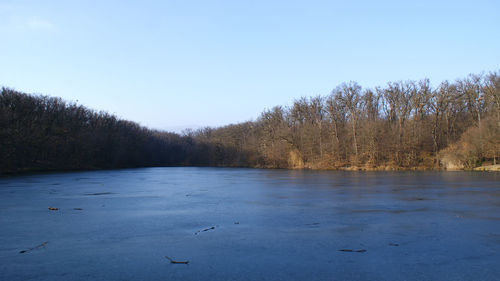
(405, 124)
(47, 133)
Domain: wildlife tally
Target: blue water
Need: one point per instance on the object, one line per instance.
(260, 225)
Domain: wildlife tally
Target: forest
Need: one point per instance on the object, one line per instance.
(46, 133)
(402, 125)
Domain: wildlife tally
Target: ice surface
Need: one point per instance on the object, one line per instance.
(250, 224)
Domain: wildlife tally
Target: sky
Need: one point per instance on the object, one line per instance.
(172, 65)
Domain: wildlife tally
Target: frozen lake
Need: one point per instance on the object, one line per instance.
(250, 224)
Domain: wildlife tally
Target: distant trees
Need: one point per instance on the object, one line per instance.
(40, 133)
(406, 124)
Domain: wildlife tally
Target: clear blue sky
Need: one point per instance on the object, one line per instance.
(176, 64)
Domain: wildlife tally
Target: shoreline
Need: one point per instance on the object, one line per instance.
(485, 168)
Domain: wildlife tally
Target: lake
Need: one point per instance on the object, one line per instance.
(250, 224)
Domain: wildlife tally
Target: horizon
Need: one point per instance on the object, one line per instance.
(172, 65)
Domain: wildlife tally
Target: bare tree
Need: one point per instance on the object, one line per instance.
(350, 98)
(398, 97)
